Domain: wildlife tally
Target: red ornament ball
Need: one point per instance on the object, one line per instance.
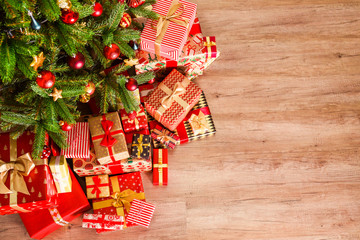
(135, 3)
(151, 81)
(125, 21)
(46, 79)
(76, 62)
(98, 10)
(112, 52)
(90, 88)
(46, 152)
(65, 126)
(69, 17)
(131, 84)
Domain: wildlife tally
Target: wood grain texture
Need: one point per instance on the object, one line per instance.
(284, 164)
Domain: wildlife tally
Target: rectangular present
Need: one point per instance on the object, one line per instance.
(108, 138)
(172, 100)
(97, 186)
(78, 140)
(141, 213)
(134, 121)
(164, 136)
(101, 221)
(141, 146)
(34, 187)
(60, 172)
(212, 53)
(125, 188)
(160, 167)
(71, 205)
(166, 37)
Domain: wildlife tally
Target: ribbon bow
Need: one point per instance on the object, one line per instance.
(140, 145)
(108, 140)
(124, 198)
(198, 122)
(209, 44)
(19, 168)
(178, 89)
(97, 186)
(163, 137)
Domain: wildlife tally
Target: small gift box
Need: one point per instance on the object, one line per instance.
(97, 186)
(164, 136)
(169, 35)
(108, 138)
(41, 223)
(140, 147)
(160, 167)
(172, 100)
(141, 213)
(212, 53)
(134, 121)
(26, 184)
(60, 172)
(78, 141)
(101, 221)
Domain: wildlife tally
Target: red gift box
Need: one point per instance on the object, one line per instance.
(101, 221)
(160, 167)
(78, 139)
(164, 136)
(210, 44)
(39, 182)
(71, 205)
(135, 121)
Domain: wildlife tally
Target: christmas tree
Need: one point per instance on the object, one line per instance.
(56, 52)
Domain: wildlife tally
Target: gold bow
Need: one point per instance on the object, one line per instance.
(163, 137)
(164, 22)
(19, 168)
(178, 89)
(209, 44)
(198, 123)
(140, 145)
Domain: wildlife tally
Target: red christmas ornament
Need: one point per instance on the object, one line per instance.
(46, 79)
(76, 62)
(65, 126)
(68, 16)
(112, 52)
(125, 21)
(46, 152)
(135, 3)
(131, 84)
(98, 10)
(151, 81)
(90, 88)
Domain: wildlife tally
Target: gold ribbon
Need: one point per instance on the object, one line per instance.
(164, 22)
(198, 123)
(209, 44)
(163, 137)
(140, 145)
(160, 167)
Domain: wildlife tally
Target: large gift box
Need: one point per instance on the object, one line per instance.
(167, 36)
(108, 138)
(71, 205)
(123, 189)
(172, 99)
(26, 184)
(78, 141)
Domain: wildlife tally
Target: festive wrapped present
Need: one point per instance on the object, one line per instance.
(169, 35)
(140, 147)
(78, 141)
(145, 90)
(134, 121)
(60, 172)
(101, 221)
(164, 136)
(212, 53)
(108, 138)
(123, 189)
(172, 100)
(97, 186)
(71, 205)
(141, 213)
(160, 167)
(26, 184)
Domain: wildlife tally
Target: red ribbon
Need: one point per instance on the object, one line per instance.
(108, 140)
(97, 186)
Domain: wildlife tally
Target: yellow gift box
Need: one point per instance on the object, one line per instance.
(60, 172)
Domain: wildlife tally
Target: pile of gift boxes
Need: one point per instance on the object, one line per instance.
(110, 150)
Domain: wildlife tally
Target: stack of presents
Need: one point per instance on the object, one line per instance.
(109, 151)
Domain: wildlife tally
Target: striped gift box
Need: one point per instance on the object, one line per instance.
(141, 213)
(78, 140)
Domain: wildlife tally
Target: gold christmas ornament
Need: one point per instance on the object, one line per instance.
(84, 98)
(61, 123)
(131, 62)
(64, 4)
(38, 61)
(56, 94)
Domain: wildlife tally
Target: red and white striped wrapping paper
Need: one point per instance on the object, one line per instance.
(141, 213)
(175, 36)
(101, 221)
(78, 139)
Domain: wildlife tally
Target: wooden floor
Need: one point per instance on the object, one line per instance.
(284, 164)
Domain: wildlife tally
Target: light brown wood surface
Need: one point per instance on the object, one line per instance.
(284, 164)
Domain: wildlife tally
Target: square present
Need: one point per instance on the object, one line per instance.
(78, 140)
(134, 121)
(164, 136)
(140, 147)
(101, 221)
(172, 100)
(168, 37)
(123, 189)
(108, 138)
(141, 213)
(160, 167)
(71, 205)
(34, 187)
(60, 172)
(97, 186)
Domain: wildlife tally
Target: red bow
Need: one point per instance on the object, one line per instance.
(108, 140)
(97, 186)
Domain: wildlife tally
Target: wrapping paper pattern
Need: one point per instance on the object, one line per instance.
(60, 172)
(141, 213)
(140, 147)
(39, 182)
(97, 186)
(78, 141)
(160, 167)
(145, 90)
(164, 136)
(172, 116)
(138, 123)
(175, 36)
(101, 221)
